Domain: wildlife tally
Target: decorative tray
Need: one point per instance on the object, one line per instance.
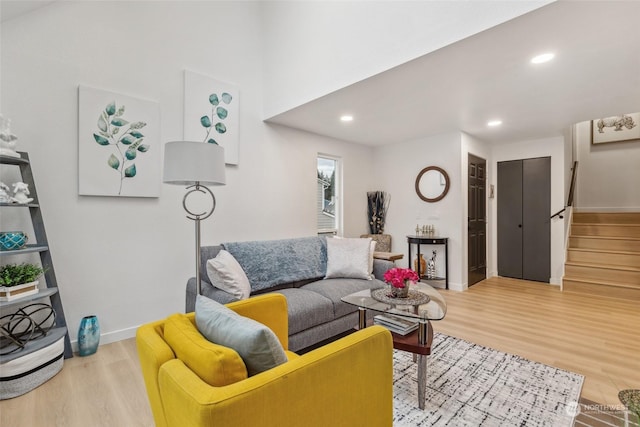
(414, 298)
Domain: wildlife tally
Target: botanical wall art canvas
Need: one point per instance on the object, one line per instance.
(211, 113)
(118, 145)
(615, 128)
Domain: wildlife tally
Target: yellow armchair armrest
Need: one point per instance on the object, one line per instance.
(347, 382)
(153, 352)
(268, 309)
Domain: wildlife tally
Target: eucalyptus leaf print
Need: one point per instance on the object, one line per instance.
(222, 113)
(124, 138)
(130, 154)
(110, 108)
(113, 162)
(221, 128)
(218, 113)
(130, 172)
(101, 140)
(211, 113)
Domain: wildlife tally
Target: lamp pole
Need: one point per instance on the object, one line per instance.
(197, 217)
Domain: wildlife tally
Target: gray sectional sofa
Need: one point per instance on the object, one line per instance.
(296, 269)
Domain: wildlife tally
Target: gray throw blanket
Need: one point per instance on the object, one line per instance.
(275, 262)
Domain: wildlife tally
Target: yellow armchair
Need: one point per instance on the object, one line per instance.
(347, 382)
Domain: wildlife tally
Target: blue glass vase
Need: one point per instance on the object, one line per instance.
(88, 335)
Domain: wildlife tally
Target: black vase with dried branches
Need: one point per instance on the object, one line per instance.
(378, 203)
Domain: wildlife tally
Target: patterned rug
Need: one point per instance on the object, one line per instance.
(472, 385)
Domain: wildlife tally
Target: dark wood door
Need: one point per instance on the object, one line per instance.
(524, 227)
(477, 219)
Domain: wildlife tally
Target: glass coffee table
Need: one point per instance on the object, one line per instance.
(423, 305)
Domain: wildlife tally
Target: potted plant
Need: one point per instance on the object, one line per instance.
(19, 280)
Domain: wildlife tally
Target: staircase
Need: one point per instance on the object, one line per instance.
(603, 255)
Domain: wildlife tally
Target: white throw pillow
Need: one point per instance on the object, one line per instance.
(349, 258)
(371, 251)
(226, 274)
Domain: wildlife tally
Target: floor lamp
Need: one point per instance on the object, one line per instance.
(194, 164)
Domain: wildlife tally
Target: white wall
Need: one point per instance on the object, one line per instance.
(316, 47)
(396, 167)
(127, 259)
(608, 174)
(549, 147)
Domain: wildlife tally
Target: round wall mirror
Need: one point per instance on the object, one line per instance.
(432, 184)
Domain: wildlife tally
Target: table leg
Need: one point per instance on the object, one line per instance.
(423, 331)
(362, 318)
(422, 379)
(415, 356)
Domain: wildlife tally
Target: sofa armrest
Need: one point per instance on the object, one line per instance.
(208, 290)
(349, 382)
(380, 266)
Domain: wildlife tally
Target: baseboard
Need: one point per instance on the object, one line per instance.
(458, 286)
(555, 281)
(110, 337)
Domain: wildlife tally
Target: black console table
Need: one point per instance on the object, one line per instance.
(427, 240)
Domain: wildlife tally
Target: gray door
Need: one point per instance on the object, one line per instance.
(524, 230)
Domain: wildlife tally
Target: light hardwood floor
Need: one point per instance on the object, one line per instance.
(101, 390)
(597, 337)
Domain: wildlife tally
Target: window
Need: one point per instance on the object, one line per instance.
(328, 190)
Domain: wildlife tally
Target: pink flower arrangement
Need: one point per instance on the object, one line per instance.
(398, 277)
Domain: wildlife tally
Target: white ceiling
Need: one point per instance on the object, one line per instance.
(596, 73)
(10, 9)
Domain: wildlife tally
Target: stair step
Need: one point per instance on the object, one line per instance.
(601, 288)
(606, 257)
(606, 217)
(623, 275)
(605, 230)
(605, 243)
(603, 255)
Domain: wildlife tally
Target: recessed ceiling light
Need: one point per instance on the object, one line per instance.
(545, 57)
(493, 123)
(346, 118)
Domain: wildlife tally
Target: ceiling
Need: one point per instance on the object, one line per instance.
(10, 9)
(595, 73)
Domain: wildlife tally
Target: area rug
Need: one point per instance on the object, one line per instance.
(472, 385)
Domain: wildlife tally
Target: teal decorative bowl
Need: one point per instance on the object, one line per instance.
(12, 240)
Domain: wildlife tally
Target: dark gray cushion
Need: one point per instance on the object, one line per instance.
(335, 289)
(306, 309)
